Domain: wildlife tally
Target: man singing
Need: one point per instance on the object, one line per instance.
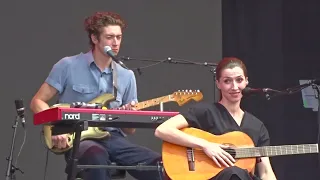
(81, 78)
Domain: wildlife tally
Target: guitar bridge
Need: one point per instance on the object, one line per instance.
(190, 157)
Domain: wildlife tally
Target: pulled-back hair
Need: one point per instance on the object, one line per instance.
(229, 63)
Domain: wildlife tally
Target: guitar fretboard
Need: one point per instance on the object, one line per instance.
(269, 151)
(153, 102)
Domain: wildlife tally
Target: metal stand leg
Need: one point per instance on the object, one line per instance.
(160, 170)
(80, 126)
(161, 106)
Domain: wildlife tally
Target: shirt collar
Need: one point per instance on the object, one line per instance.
(90, 59)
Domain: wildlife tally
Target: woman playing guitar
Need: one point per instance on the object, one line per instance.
(220, 118)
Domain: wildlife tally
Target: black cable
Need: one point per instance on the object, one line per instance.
(169, 60)
(154, 64)
(46, 165)
(176, 61)
(47, 157)
(213, 70)
(21, 147)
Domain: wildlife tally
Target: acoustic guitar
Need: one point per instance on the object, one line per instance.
(180, 97)
(182, 163)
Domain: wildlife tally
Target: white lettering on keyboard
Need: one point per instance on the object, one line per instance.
(72, 116)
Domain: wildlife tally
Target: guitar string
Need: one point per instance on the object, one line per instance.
(305, 150)
(155, 101)
(311, 147)
(258, 152)
(293, 148)
(235, 155)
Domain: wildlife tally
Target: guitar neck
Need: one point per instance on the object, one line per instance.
(268, 151)
(153, 102)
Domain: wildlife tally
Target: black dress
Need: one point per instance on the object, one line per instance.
(216, 119)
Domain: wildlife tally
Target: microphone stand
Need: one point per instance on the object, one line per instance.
(290, 91)
(10, 167)
(317, 93)
(317, 96)
(177, 61)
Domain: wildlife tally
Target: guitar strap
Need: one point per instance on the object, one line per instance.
(114, 78)
(258, 160)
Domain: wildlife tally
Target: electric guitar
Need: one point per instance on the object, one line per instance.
(180, 97)
(182, 163)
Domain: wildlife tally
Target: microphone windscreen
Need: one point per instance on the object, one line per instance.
(19, 103)
(246, 91)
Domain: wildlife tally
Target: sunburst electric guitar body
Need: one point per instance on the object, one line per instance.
(181, 97)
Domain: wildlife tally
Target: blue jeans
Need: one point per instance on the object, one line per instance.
(119, 150)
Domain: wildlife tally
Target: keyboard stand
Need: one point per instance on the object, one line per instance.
(139, 167)
(79, 127)
(83, 125)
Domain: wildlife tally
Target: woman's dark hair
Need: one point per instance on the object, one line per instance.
(229, 63)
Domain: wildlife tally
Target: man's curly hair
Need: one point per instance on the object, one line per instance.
(97, 21)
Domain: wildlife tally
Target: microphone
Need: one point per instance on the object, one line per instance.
(315, 81)
(109, 52)
(20, 110)
(248, 90)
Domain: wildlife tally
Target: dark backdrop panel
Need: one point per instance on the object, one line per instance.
(278, 42)
(301, 56)
(36, 34)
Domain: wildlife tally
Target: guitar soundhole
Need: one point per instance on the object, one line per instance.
(230, 149)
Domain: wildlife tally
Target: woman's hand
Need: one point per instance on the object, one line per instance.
(218, 155)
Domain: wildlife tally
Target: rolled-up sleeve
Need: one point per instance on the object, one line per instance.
(58, 75)
(131, 90)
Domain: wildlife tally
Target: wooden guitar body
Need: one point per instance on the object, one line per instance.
(182, 163)
(175, 158)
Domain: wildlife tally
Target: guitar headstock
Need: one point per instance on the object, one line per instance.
(184, 96)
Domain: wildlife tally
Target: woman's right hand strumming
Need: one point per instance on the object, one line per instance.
(60, 141)
(218, 155)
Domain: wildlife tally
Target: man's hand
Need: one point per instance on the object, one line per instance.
(60, 141)
(129, 106)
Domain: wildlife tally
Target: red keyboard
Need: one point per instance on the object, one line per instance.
(124, 117)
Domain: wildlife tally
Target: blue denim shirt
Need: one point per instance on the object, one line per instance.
(78, 79)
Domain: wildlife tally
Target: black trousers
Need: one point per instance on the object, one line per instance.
(115, 149)
(234, 173)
